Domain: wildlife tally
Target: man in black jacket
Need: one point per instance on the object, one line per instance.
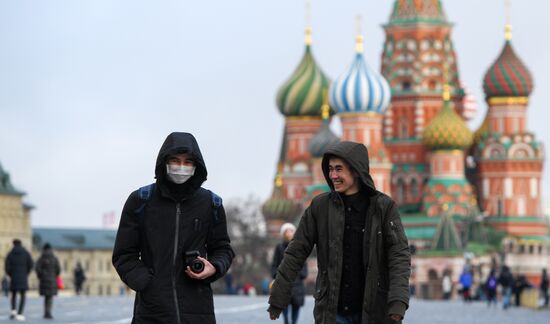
(160, 227)
(298, 289)
(18, 266)
(363, 256)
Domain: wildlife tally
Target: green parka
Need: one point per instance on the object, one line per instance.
(322, 225)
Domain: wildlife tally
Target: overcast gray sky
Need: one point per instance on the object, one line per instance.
(89, 89)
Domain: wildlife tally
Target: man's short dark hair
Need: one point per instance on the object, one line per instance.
(17, 242)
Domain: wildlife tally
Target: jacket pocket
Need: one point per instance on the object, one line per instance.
(320, 296)
(321, 287)
(379, 314)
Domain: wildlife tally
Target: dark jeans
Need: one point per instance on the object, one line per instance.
(348, 319)
(21, 300)
(491, 296)
(294, 312)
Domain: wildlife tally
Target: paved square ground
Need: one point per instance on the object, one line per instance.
(252, 310)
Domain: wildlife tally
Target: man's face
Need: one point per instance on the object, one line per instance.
(184, 159)
(342, 177)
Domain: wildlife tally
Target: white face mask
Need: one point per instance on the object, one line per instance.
(179, 174)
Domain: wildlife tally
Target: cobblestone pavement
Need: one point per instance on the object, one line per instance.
(252, 310)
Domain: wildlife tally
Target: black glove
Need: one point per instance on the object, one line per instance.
(274, 312)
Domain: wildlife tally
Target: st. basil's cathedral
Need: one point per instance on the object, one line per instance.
(457, 189)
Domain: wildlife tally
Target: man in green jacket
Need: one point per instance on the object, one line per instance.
(363, 256)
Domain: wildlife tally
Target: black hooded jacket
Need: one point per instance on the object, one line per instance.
(149, 252)
(386, 254)
(47, 269)
(18, 266)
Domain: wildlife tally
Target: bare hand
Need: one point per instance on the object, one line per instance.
(396, 317)
(208, 271)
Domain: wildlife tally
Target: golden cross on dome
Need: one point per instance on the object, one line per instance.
(508, 26)
(308, 22)
(278, 180)
(359, 38)
(325, 108)
(446, 87)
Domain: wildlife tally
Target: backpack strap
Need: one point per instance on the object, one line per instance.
(216, 204)
(144, 193)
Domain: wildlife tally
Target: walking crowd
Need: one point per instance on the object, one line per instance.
(19, 266)
(498, 285)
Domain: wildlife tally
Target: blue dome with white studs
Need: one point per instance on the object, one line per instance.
(360, 89)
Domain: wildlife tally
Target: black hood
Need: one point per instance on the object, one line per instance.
(177, 143)
(356, 155)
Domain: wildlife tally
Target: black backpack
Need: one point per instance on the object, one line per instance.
(146, 192)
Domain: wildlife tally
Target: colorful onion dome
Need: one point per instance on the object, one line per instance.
(324, 138)
(417, 11)
(360, 88)
(508, 76)
(302, 93)
(279, 207)
(469, 105)
(447, 130)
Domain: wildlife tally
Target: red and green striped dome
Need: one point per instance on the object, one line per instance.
(508, 76)
(417, 11)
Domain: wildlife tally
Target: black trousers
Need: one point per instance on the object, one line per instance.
(48, 303)
(21, 301)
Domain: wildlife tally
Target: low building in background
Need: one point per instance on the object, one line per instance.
(93, 248)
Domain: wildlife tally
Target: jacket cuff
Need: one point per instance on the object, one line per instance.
(397, 307)
(216, 275)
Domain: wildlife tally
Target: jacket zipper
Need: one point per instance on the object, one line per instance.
(174, 259)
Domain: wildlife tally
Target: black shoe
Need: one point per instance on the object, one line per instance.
(48, 316)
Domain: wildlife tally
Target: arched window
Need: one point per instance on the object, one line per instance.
(500, 207)
(414, 188)
(400, 190)
(403, 128)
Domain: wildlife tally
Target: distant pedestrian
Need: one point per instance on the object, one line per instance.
(47, 270)
(412, 287)
(79, 278)
(18, 266)
(298, 292)
(520, 283)
(544, 287)
(506, 280)
(466, 282)
(228, 278)
(491, 288)
(5, 286)
(447, 286)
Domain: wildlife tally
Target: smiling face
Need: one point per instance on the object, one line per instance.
(343, 178)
